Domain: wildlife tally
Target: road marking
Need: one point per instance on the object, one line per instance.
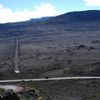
(50, 79)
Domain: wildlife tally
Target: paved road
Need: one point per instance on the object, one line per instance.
(16, 58)
(50, 79)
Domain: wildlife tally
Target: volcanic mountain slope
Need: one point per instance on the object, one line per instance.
(89, 19)
(65, 45)
(77, 17)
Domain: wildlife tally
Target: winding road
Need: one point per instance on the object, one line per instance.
(50, 79)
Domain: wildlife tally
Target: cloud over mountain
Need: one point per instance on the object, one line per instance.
(45, 9)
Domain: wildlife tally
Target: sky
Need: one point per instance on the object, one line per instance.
(22, 10)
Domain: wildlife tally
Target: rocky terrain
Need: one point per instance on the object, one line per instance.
(54, 47)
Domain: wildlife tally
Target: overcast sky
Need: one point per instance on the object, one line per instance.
(21, 10)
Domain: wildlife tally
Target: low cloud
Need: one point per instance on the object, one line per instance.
(7, 15)
(94, 3)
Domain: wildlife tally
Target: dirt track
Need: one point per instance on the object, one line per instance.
(16, 58)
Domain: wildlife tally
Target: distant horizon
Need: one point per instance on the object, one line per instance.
(16, 11)
(48, 16)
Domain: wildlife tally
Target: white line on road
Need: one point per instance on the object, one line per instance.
(50, 79)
